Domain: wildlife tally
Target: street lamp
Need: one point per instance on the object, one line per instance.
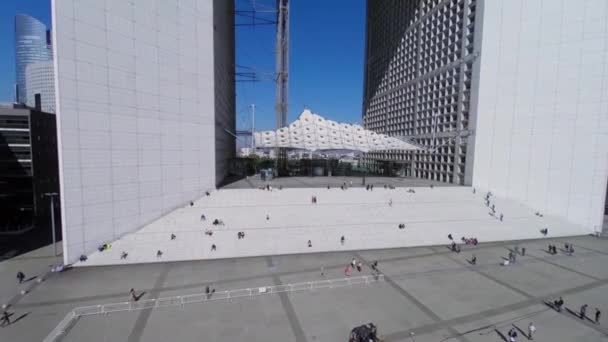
(52, 195)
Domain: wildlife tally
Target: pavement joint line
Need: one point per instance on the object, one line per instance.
(428, 328)
(16, 298)
(144, 315)
(559, 266)
(296, 327)
(590, 249)
(584, 322)
(414, 300)
(260, 276)
(487, 276)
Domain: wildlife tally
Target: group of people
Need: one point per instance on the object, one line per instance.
(353, 264)
(582, 313)
(469, 241)
(369, 187)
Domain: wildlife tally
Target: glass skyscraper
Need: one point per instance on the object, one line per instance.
(32, 44)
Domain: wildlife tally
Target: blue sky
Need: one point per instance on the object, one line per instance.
(326, 66)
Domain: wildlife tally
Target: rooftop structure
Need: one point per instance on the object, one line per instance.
(313, 132)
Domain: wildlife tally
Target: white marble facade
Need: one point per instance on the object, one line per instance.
(136, 110)
(542, 118)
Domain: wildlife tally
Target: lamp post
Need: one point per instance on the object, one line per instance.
(52, 195)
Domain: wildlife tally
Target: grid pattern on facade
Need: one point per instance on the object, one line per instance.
(418, 73)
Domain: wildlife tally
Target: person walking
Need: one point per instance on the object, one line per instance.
(20, 277)
(474, 260)
(512, 335)
(598, 314)
(531, 331)
(6, 318)
(133, 296)
(523, 251)
(342, 240)
(347, 271)
(359, 266)
(309, 243)
(213, 247)
(583, 310)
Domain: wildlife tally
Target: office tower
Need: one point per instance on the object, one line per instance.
(40, 79)
(146, 101)
(28, 169)
(506, 96)
(31, 46)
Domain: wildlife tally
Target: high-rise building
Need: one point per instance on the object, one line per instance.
(28, 169)
(32, 44)
(40, 80)
(507, 96)
(419, 59)
(146, 104)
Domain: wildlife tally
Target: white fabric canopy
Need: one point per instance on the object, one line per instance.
(312, 132)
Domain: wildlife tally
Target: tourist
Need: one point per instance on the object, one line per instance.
(474, 260)
(328, 187)
(347, 271)
(531, 331)
(83, 258)
(390, 202)
(173, 236)
(558, 304)
(20, 277)
(450, 237)
(342, 240)
(267, 217)
(453, 246)
(583, 310)
(571, 250)
(159, 253)
(359, 266)
(191, 203)
(512, 335)
(371, 187)
(375, 266)
(353, 263)
(6, 318)
(207, 193)
(598, 314)
(322, 271)
(500, 217)
(133, 296)
(123, 255)
(213, 247)
(209, 291)
(309, 244)
(523, 251)
(473, 190)
(203, 218)
(544, 231)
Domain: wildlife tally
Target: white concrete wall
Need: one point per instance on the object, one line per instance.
(542, 117)
(135, 101)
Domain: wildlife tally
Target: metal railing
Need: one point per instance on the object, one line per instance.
(64, 325)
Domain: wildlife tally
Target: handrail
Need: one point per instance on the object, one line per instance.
(103, 309)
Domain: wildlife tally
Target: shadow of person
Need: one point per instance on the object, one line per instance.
(21, 317)
(504, 338)
(30, 279)
(523, 333)
(138, 297)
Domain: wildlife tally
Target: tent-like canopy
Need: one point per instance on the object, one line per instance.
(312, 132)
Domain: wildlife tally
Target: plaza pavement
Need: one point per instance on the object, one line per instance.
(283, 221)
(429, 291)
